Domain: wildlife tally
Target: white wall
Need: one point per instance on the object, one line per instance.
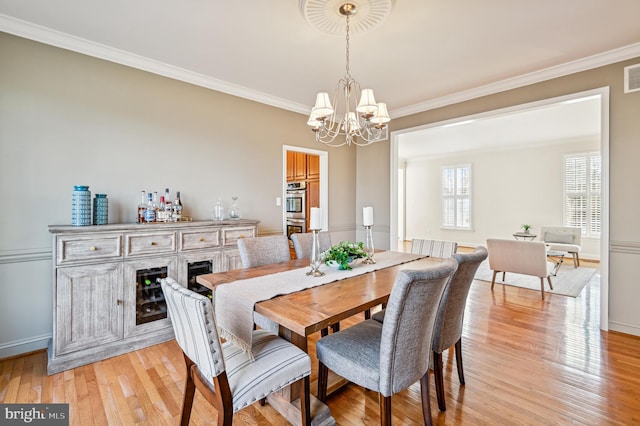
(510, 187)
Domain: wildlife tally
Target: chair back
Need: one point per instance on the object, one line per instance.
(521, 257)
(448, 327)
(302, 243)
(263, 250)
(194, 325)
(405, 344)
(434, 248)
(561, 234)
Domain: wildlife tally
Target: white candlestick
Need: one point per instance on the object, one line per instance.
(316, 218)
(367, 216)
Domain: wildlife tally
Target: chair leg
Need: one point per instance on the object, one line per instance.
(323, 374)
(385, 409)
(550, 284)
(458, 348)
(305, 404)
(189, 392)
(335, 327)
(576, 260)
(426, 402)
(542, 287)
(437, 377)
(493, 279)
(324, 332)
(367, 314)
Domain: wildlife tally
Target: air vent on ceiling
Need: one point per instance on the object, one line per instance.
(632, 78)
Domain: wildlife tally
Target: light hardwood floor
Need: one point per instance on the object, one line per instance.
(527, 361)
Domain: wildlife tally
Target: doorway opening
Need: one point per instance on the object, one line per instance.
(307, 170)
(400, 226)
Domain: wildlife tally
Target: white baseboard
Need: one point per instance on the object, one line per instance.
(633, 329)
(18, 347)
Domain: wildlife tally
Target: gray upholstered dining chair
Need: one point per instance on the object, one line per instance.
(433, 248)
(224, 374)
(447, 331)
(388, 357)
(258, 251)
(302, 243)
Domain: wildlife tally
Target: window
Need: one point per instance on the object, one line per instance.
(456, 197)
(582, 193)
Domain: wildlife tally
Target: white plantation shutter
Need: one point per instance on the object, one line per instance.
(456, 197)
(582, 188)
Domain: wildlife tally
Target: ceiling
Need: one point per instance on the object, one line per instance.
(553, 122)
(425, 53)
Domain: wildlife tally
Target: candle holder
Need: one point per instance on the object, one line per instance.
(315, 260)
(368, 245)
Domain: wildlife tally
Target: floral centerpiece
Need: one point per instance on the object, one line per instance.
(342, 255)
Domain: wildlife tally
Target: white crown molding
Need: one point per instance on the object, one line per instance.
(51, 37)
(584, 64)
(45, 35)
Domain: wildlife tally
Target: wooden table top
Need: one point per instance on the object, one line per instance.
(310, 310)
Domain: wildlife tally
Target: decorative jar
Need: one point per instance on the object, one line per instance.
(81, 206)
(100, 209)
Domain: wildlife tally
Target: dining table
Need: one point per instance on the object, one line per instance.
(309, 310)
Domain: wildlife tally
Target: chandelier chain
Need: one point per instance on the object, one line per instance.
(347, 49)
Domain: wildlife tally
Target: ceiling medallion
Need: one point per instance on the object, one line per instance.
(325, 15)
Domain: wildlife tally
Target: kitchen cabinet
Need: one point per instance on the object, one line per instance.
(302, 167)
(107, 298)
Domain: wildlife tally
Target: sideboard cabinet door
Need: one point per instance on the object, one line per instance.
(89, 306)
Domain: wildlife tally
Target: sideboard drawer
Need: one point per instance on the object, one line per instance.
(71, 248)
(151, 243)
(199, 239)
(231, 235)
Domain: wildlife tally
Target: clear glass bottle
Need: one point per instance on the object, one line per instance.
(234, 212)
(177, 208)
(142, 206)
(160, 214)
(218, 210)
(150, 211)
(168, 211)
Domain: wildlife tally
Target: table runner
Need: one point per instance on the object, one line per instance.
(234, 302)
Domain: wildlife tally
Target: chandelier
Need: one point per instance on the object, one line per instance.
(360, 124)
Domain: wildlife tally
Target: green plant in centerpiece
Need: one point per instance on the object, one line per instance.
(526, 228)
(343, 254)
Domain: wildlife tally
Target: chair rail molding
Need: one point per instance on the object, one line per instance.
(25, 255)
(628, 247)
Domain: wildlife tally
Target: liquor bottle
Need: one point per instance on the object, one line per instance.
(142, 206)
(168, 211)
(167, 196)
(160, 214)
(150, 211)
(177, 208)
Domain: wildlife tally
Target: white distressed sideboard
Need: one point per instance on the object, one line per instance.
(106, 297)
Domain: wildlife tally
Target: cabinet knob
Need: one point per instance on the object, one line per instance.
(201, 239)
(93, 248)
(119, 302)
(153, 243)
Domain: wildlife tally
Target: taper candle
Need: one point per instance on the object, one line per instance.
(367, 216)
(316, 218)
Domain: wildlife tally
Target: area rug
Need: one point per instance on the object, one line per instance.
(569, 282)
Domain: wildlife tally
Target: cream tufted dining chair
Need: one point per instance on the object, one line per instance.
(258, 251)
(433, 248)
(302, 243)
(223, 373)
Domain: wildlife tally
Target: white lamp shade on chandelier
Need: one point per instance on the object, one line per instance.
(358, 124)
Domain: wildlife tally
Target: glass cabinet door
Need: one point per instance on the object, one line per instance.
(145, 307)
(194, 264)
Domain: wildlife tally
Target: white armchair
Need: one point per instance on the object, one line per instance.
(563, 238)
